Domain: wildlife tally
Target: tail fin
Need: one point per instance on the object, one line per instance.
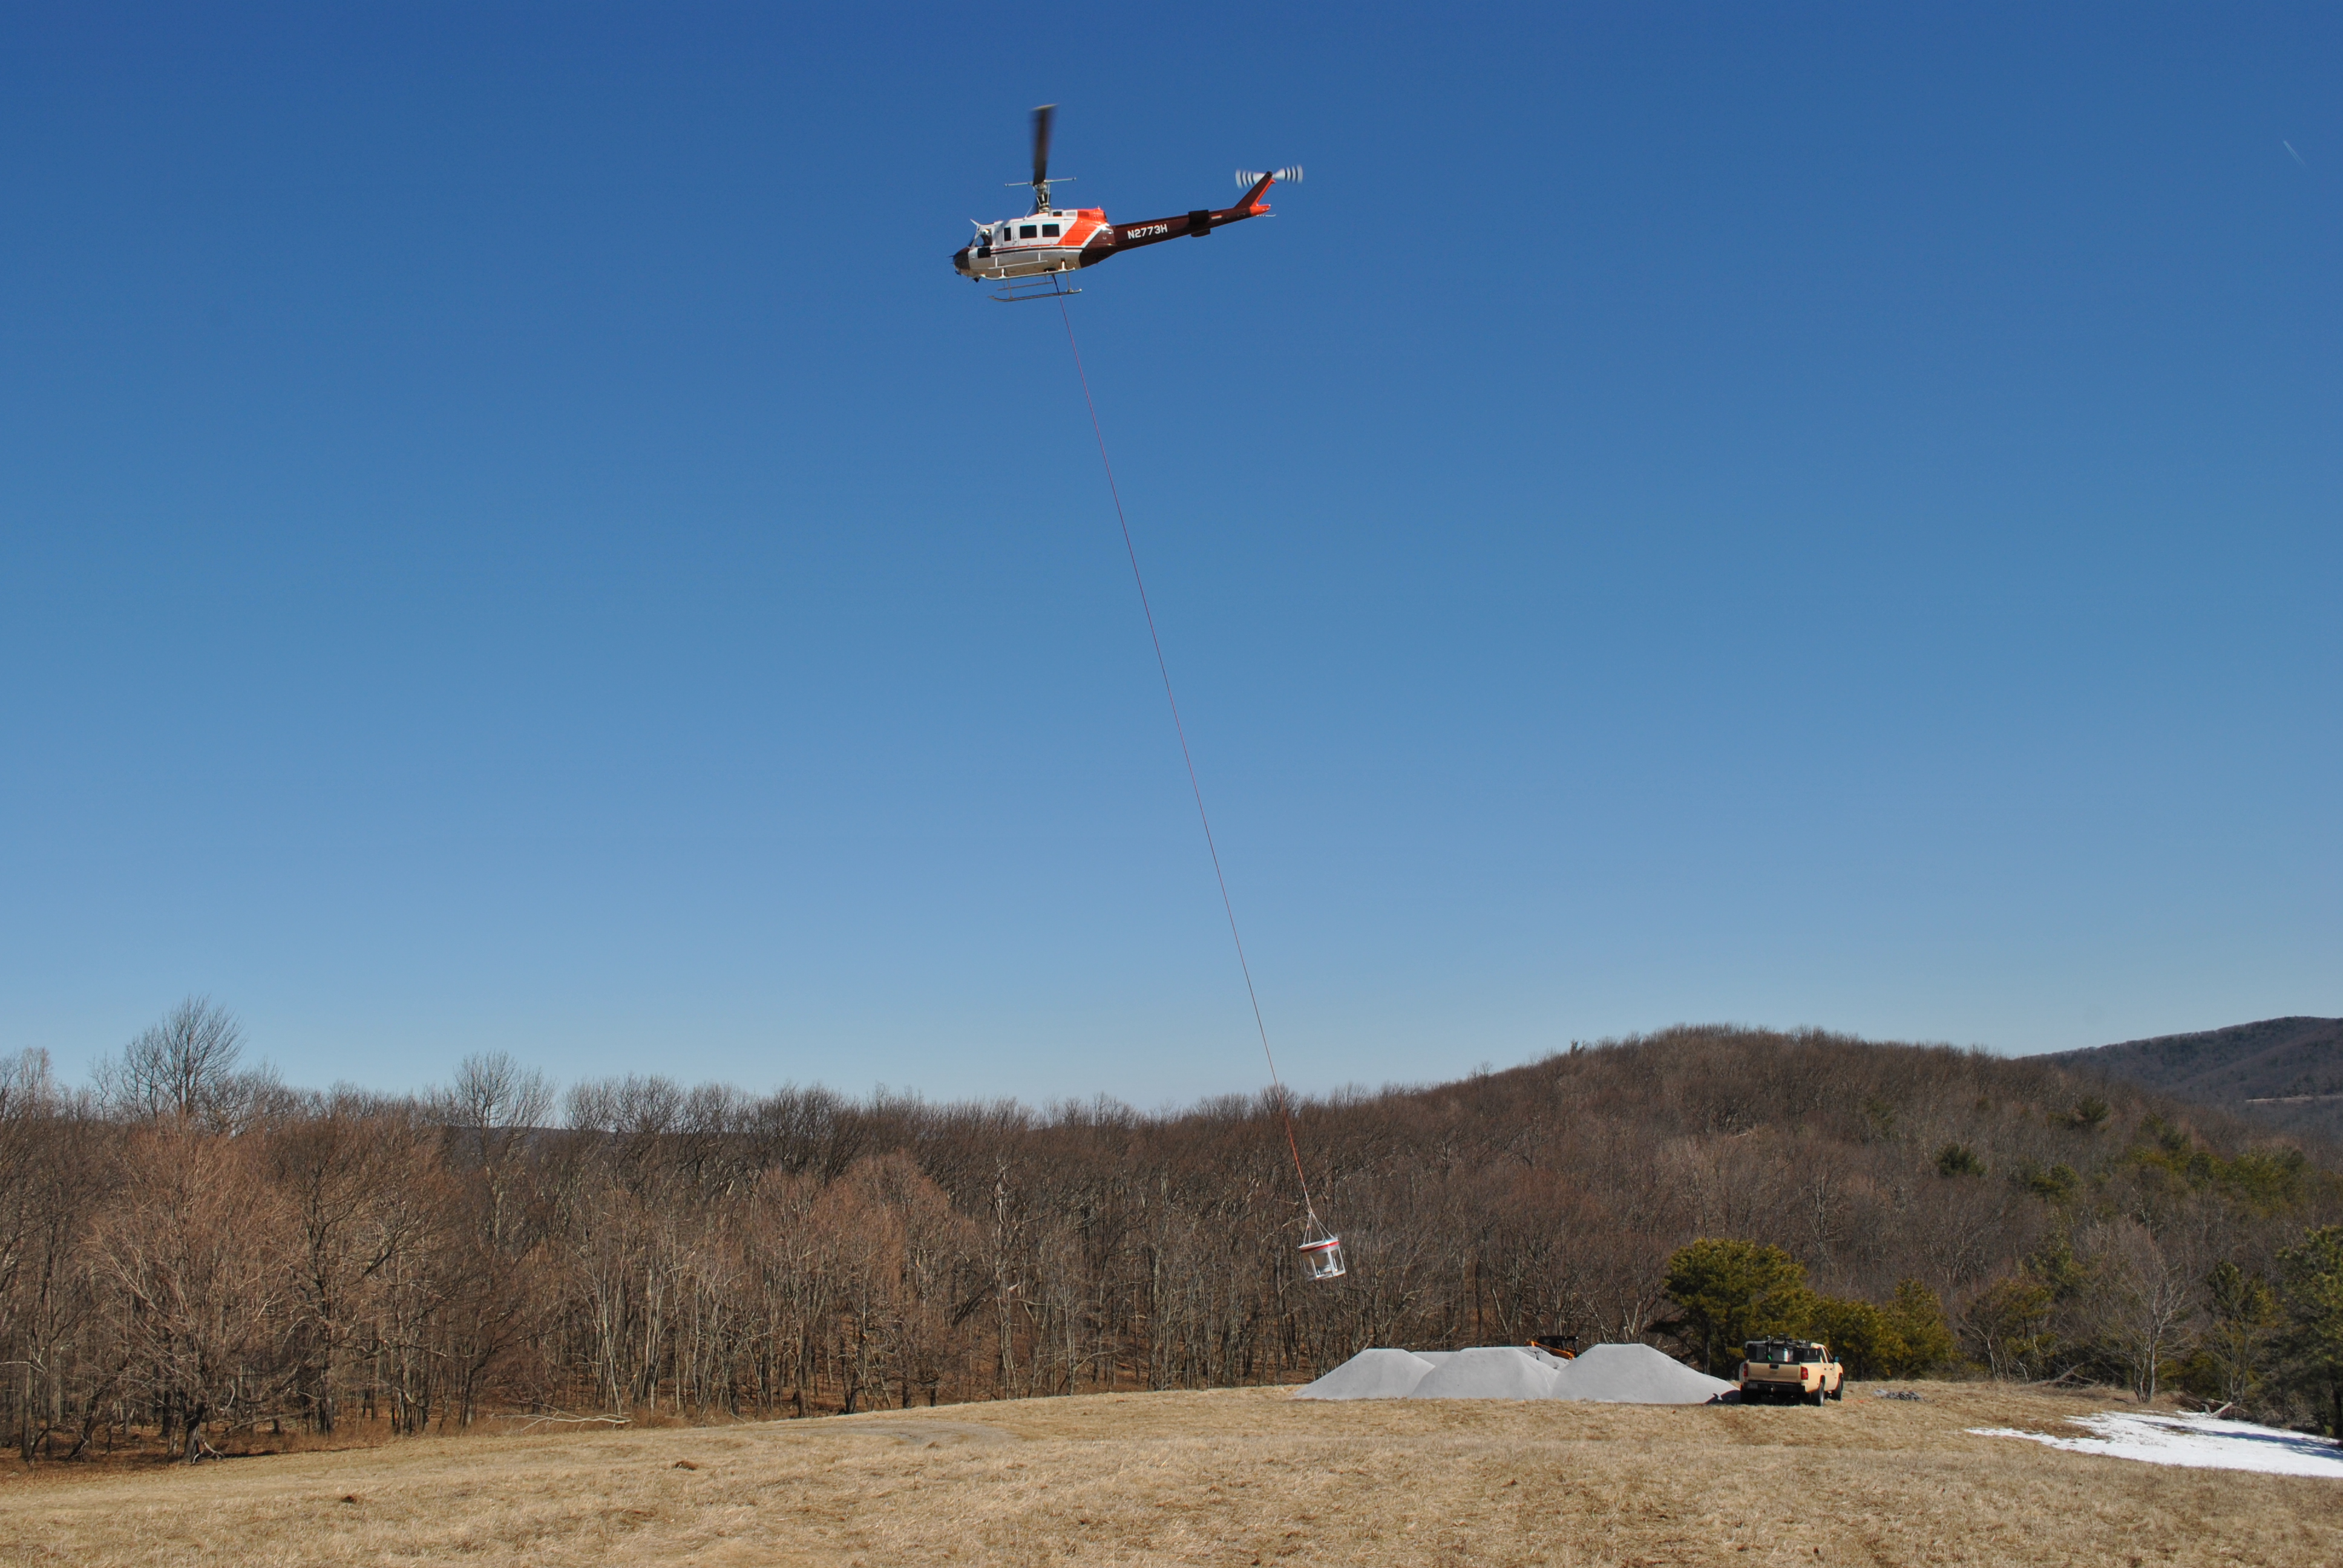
(1262, 182)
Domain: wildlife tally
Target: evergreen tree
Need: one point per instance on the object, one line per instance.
(2244, 1314)
(2312, 1274)
(1728, 1292)
(1917, 1314)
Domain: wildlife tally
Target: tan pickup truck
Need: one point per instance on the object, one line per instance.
(1790, 1369)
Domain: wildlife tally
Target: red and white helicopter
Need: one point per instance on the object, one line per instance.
(1031, 255)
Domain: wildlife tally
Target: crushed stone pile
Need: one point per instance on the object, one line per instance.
(1635, 1374)
(1497, 1371)
(1609, 1374)
(1370, 1374)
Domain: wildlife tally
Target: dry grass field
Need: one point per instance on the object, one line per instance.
(1235, 1476)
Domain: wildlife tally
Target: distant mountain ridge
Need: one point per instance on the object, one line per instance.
(2285, 1072)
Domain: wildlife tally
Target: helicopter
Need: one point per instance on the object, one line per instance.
(1031, 256)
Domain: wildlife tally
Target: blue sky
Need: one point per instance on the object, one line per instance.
(512, 536)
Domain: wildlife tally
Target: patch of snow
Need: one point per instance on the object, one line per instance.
(2199, 1442)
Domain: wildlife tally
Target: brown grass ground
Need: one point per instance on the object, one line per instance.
(1235, 1476)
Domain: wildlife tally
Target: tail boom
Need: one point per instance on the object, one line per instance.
(1196, 225)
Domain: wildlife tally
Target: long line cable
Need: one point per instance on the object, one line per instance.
(1163, 667)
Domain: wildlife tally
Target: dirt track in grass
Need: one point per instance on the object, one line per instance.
(1232, 1476)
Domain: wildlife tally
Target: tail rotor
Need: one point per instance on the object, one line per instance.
(1292, 176)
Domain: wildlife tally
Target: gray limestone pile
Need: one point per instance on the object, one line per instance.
(1371, 1374)
(1635, 1374)
(1498, 1371)
(1608, 1374)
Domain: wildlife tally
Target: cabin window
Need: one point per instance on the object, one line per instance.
(1048, 231)
(1026, 232)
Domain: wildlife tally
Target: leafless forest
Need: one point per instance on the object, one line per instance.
(189, 1250)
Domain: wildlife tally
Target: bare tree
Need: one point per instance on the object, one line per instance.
(195, 1258)
(182, 1067)
(492, 1107)
(348, 1171)
(2143, 1299)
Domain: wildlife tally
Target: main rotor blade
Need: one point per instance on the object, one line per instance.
(1041, 119)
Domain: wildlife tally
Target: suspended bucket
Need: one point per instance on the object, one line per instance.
(1323, 1259)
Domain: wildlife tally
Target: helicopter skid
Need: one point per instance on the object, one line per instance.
(1048, 284)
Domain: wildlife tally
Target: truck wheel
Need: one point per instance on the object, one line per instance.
(1838, 1390)
(1815, 1398)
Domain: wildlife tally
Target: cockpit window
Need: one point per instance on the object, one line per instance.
(1048, 231)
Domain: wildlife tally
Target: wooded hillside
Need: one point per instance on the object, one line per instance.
(2284, 1073)
(183, 1244)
